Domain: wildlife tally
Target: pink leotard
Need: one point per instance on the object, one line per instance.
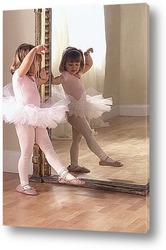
(21, 105)
(81, 104)
(25, 90)
(73, 85)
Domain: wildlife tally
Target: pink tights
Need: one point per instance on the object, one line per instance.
(27, 136)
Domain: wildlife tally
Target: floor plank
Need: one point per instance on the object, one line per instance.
(75, 208)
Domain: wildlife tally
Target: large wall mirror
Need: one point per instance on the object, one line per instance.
(119, 35)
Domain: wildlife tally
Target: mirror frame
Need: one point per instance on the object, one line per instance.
(41, 168)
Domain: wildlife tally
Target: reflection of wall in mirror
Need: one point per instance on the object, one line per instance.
(127, 58)
(126, 75)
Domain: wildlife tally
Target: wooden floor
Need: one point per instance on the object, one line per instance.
(67, 207)
(81, 208)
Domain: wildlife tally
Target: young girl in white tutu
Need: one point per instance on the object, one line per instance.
(22, 107)
(82, 107)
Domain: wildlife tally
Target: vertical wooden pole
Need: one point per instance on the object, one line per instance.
(41, 168)
(46, 169)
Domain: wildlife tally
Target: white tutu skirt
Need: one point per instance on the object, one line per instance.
(89, 106)
(48, 115)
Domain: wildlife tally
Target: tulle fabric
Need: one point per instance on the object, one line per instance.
(48, 115)
(89, 106)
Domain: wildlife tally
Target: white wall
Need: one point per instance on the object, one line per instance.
(18, 27)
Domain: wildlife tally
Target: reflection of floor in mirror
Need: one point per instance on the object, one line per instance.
(127, 140)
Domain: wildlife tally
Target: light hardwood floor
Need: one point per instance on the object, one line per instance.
(69, 207)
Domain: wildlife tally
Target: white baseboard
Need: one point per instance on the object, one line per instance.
(10, 162)
(127, 110)
(134, 110)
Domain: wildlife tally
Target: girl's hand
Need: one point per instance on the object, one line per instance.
(43, 74)
(90, 50)
(41, 49)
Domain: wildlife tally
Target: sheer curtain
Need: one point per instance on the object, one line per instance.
(82, 27)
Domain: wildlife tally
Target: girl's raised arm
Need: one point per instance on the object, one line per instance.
(29, 58)
(88, 60)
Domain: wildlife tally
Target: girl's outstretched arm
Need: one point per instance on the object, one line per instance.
(28, 60)
(57, 80)
(88, 60)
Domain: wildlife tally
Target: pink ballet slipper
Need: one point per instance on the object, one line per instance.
(26, 190)
(64, 180)
(109, 162)
(75, 182)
